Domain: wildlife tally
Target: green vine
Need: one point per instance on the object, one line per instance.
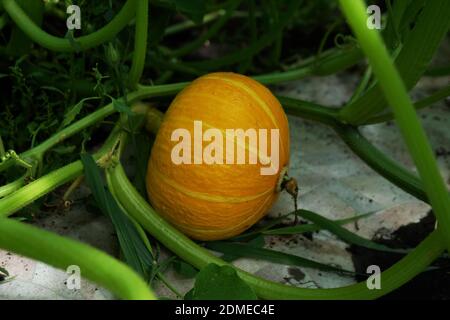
(188, 250)
(61, 252)
(140, 43)
(48, 41)
(395, 92)
(412, 61)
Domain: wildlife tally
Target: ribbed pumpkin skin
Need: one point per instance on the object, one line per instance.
(218, 201)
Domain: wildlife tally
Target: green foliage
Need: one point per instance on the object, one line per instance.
(135, 251)
(184, 269)
(311, 227)
(220, 283)
(343, 233)
(245, 250)
(73, 112)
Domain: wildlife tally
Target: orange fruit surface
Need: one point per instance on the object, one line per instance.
(216, 201)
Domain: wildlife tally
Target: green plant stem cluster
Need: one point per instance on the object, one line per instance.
(395, 92)
(408, 267)
(62, 253)
(53, 43)
(140, 43)
(29, 241)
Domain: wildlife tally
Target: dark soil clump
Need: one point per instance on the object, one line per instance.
(432, 284)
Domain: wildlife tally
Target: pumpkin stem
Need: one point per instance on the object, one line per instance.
(154, 120)
(153, 117)
(291, 186)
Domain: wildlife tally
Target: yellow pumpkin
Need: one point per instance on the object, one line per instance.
(216, 201)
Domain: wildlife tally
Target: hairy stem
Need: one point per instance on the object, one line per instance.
(140, 43)
(11, 187)
(388, 168)
(421, 104)
(394, 277)
(108, 32)
(412, 61)
(61, 253)
(403, 109)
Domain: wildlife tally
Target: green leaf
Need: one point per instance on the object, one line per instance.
(134, 249)
(70, 116)
(298, 229)
(121, 106)
(256, 241)
(343, 233)
(257, 231)
(215, 282)
(303, 228)
(249, 251)
(184, 269)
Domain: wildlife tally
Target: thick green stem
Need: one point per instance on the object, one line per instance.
(394, 277)
(377, 160)
(61, 253)
(11, 187)
(309, 110)
(416, 53)
(373, 157)
(403, 109)
(51, 42)
(140, 43)
(335, 61)
(40, 187)
(362, 85)
(435, 97)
